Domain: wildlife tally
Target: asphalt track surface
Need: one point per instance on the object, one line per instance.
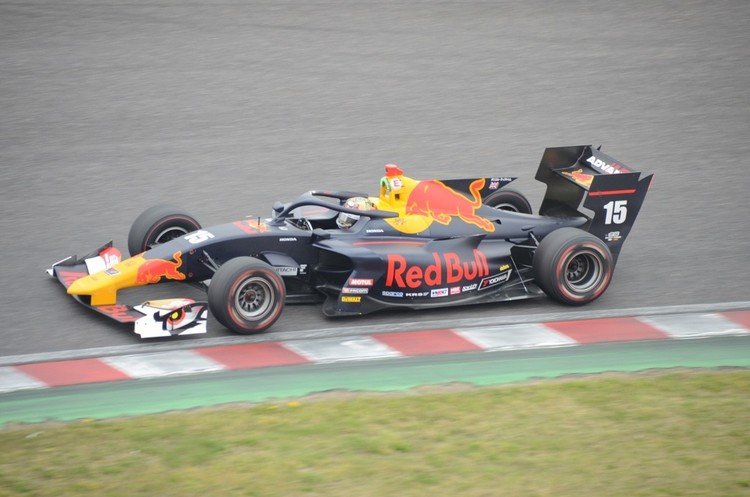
(223, 108)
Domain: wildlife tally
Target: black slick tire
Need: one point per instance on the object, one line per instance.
(159, 224)
(508, 200)
(246, 295)
(573, 266)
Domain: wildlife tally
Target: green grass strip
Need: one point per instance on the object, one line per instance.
(676, 433)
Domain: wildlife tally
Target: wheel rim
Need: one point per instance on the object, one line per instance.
(253, 298)
(583, 272)
(506, 207)
(169, 234)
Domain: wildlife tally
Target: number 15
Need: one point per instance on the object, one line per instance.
(616, 211)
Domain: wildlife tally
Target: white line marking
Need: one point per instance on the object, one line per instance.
(516, 336)
(336, 349)
(695, 325)
(12, 379)
(163, 364)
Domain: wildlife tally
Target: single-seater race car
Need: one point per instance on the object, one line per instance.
(417, 244)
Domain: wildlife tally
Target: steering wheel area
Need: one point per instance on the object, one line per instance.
(300, 223)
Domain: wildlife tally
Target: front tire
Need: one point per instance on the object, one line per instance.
(509, 200)
(246, 295)
(157, 225)
(573, 266)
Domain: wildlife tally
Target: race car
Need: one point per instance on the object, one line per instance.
(417, 244)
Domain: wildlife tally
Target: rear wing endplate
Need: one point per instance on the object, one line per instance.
(584, 181)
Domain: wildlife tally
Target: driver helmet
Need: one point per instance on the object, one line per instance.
(346, 220)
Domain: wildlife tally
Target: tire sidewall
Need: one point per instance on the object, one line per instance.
(156, 220)
(269, 317)
(554, 254)
(162, 225)
(564, 258)
(227, 282)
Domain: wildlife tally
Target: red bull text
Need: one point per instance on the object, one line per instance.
(447, 269)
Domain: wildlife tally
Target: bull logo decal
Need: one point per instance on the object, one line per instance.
(251, 226)
(153, 270)
(434, 199)
(580, 177)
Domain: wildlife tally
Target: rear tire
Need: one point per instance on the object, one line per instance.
(573, 266)
(509, 200)
(157, 225)
(246, 295)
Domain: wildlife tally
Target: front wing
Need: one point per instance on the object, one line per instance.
(151, 319)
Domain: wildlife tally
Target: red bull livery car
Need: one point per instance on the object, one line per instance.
(417, 244)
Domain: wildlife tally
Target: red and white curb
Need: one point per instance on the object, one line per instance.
(375, 346)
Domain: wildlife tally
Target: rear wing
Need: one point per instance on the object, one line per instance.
(584, 181)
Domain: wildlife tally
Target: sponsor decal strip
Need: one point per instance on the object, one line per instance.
(602, 193)
(494, 280)
(357, 290)
(603, 167)
(286, 271)
(691, 325)
(387, 293)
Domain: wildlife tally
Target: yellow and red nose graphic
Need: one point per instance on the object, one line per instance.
(438, 202)
(103, 286)
(154, 270)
